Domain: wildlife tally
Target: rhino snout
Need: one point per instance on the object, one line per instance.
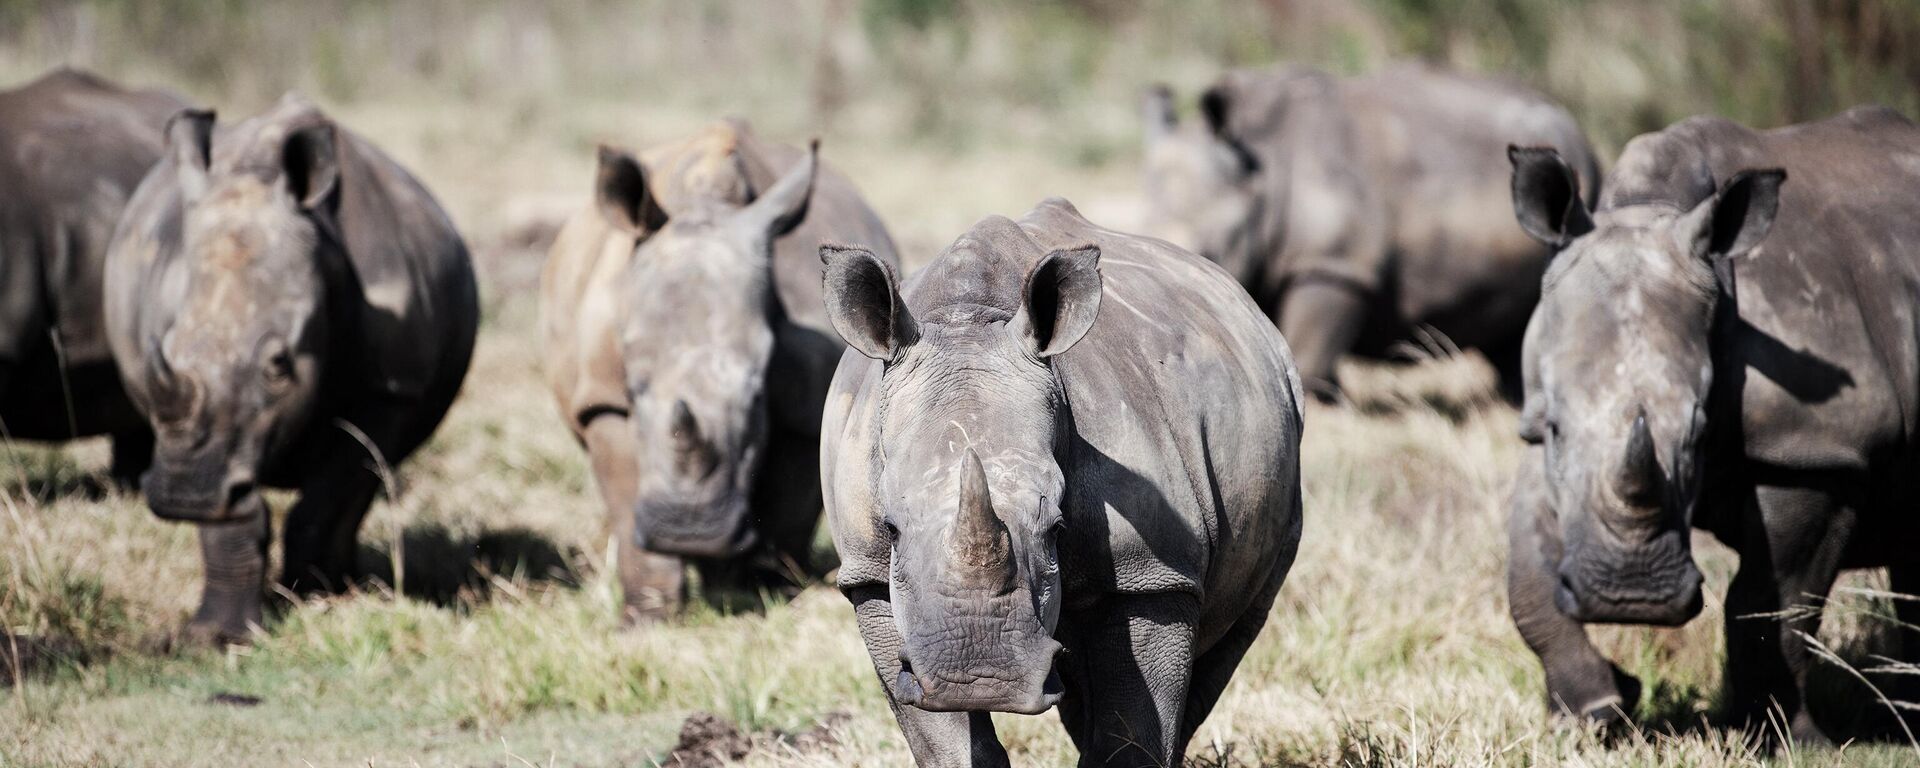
(694, 530)
(1665, 591)
(1028, 688)
(201, 496)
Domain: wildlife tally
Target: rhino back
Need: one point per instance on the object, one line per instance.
(1186, 417)
(74, 147)
(1831, 298)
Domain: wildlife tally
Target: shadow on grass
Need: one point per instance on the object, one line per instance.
(44, 475)
(449, 569)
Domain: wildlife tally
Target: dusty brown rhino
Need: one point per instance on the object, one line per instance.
(1057, 438)
(72, 148)
(689, 351)
(1727, 342)
(1367, 215)
(290, 309)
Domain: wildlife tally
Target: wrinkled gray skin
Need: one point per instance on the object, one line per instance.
(689, 349)
(1366, 215)
(282, 300)
(1061, 468)
(72, 148)
(1719, 348)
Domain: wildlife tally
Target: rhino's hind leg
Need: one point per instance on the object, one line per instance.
(1580, 681)
(235, 558)
(937, 739)
(653, 586)
(1130, 669)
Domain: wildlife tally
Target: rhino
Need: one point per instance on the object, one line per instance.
(1061, 467)
(289, 308)
(1367, 215)
(72, 148)
(689, 351)
(1719, 348)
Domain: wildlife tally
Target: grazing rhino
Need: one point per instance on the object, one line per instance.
(1058, 438)
(1365, 214)
(1716, 350)
(290, 309)
(72, 148)
(689, 351)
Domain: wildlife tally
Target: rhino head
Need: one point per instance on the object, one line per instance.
(1202, 186)
(699, 333)
(969, 482)
(1619, 363)
(237, 373)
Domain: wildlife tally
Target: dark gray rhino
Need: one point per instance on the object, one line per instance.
(72, 148)
(1367, 215)
(290, 309)
(1715, 349)
(689, 351)
(1058, 438)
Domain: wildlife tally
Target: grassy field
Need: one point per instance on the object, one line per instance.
(489, 637)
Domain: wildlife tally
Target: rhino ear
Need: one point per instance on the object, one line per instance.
(310, 160)
(1214, 106)
(784, 206)
(1737, 217)
(190, 142)
(1546, 196)
(863, 302)
(620, 193)
(1061, 300)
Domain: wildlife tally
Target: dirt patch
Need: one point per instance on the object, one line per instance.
(708, 740)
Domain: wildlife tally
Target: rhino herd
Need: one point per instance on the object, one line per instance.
(1060, 462)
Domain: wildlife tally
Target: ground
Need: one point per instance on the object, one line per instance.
(490, 638)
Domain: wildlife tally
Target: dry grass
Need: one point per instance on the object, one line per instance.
(496, 645)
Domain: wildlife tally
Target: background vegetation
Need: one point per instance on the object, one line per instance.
(487, 638)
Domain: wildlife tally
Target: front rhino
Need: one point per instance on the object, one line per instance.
(989, 455)
(288, 309)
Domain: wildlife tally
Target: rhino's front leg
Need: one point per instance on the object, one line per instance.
(1580, 681)
(1788, 563)
(937, 739)
(653, 585)
(1128, 666)
(1321, 319)
(235, 558)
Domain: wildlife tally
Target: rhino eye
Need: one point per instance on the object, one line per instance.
(278, 370)
(892, 531)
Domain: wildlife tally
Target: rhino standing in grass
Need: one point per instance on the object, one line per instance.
(689, 351)
(290, 309)
(1367, 215)
(1720, 347)
(72, 148)
(1057, 438)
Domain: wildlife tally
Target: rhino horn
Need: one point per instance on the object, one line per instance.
(1640, 480)
(978, 539)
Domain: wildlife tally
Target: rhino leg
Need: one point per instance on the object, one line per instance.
(235, 558)
(937, 739)
(652, 585)
(1127, 680)
(789, 491)
(132, 455)
(1321, 320)
(1787, 566)
(1580, 681)
(323, 527)
(1214, 669)
(1904, 579)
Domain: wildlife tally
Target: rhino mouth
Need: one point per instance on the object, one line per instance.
(1666, 607)
(937, 693)
(695, 530)
(199, 495)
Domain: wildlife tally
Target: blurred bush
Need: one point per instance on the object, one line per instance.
(965, 71)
